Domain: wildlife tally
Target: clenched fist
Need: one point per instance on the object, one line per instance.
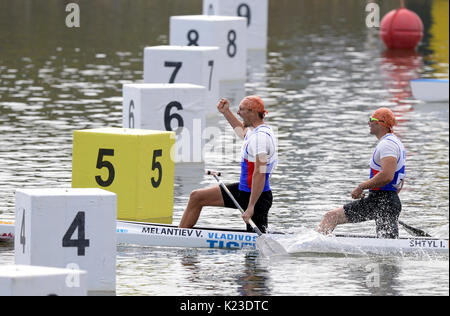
(223, 105)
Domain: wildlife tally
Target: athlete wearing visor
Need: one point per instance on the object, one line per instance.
(387, 173)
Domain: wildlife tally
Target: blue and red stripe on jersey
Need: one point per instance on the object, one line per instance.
(391, 185)
(247, 170)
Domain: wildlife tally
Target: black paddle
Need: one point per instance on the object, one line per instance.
(414, 231)
(265, 244)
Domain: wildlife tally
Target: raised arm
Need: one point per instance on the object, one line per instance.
(224, 107)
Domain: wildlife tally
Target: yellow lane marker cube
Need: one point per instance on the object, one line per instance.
(135, 164)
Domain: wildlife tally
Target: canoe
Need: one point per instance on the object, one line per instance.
(146, 234)
(161, 235)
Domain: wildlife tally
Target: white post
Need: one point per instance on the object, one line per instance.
(185, 64)
(255, 11)
(23, 280)
(227, 33)
(168, 107)
(66, 227)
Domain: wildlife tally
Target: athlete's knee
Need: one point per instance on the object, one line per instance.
(336, 217)
(195, 196)
(330, 217)
(198, 197)
(327, 225)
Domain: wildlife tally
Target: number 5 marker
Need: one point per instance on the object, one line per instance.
(135, 164)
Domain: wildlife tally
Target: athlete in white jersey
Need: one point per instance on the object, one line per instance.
(258, 159)
(387, 173)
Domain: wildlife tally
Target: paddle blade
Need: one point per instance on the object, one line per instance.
(269, 247)
(414, 231)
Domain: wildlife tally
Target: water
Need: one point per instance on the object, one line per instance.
(324, 73)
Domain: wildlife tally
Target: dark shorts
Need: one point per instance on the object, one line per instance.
(262, 206)
(382, 206)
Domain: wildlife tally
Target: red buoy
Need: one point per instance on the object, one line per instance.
(401, 29)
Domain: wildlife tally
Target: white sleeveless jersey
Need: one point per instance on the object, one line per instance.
(389, 146)
(259, 141)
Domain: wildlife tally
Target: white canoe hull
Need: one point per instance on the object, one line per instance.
(171, 236)
(146, 234)
(430, 90)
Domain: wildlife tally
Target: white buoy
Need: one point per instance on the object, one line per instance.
(227, 33)
(65, 227)
(185, 64)
(255, 11)
(23, 280)
(169, 107)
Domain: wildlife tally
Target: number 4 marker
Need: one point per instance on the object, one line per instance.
(81, 243)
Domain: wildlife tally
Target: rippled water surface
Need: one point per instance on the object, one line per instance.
(324, 73)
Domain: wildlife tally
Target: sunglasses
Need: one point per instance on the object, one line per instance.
(373, 119)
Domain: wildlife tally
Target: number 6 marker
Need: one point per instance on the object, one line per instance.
(170, 107)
